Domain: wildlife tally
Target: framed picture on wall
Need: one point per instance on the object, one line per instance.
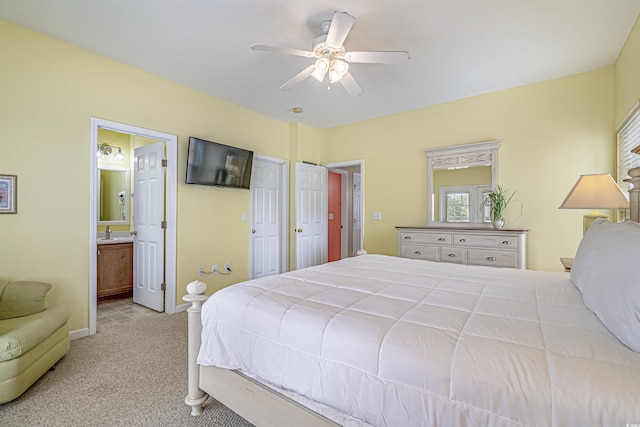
(8, 194)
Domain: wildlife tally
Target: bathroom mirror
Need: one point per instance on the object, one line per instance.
(471, 169)
(114, 195)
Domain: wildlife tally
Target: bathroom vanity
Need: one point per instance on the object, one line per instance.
(115, 269)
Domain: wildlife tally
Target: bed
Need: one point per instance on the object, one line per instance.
(385, 341)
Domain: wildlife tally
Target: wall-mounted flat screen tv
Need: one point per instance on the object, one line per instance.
(212, 163)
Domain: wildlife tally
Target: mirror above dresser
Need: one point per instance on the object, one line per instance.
(464, 174)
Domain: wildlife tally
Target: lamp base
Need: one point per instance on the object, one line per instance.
(587, 220)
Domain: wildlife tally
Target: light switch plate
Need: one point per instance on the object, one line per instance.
(377, 216)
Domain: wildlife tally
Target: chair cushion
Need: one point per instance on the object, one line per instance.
(21, 334)
(22, 298)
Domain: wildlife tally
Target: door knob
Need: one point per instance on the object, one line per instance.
(133, 233)
(299, 230)
(253, 230)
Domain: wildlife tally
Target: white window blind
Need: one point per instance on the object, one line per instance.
(628, 139)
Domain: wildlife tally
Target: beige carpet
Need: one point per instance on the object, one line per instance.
(131, 374)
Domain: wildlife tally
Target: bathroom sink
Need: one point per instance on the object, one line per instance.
(113, 240)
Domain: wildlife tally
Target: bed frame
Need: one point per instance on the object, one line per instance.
(255, 402)
(248, 398)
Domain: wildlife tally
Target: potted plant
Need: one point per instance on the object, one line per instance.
(498, 200)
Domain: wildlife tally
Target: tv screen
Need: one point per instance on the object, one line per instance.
(211, 163)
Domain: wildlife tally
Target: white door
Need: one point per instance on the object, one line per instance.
(357, 212)
(266, 218)
(148, 215)
(311, 215)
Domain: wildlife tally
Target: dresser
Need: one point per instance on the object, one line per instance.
(471, 246)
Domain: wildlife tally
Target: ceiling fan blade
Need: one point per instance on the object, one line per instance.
(351, 85)
(298, 78)
(396, 57)
(340, 26)
(282, 50)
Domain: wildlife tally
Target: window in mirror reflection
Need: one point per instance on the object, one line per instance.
(462, 203)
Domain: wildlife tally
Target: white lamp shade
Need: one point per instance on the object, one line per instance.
(597, 191)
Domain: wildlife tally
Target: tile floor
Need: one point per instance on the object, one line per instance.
(122, 311)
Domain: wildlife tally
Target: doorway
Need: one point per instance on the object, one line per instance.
(169, 263)
(338, 214)
(351, 193)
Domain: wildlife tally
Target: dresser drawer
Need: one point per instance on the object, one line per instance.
(486, 241)
(429, 253)
(460, 245)
(492, 257)
(453, 254)
(422, 237)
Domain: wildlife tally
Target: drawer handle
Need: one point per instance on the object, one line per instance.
(462, 240)
(418, 252)
(452, 255)
(407, 237)
(441, 239)
(506, 242)
(491, 258)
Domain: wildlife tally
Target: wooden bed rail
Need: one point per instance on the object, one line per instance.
(195, 295)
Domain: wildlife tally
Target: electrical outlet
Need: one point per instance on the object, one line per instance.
(227, 267)
(214, 268)
(200, 271)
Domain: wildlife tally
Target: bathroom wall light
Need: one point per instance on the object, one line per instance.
(119, 156)
(105, 150)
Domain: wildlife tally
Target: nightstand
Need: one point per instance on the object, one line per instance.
(567, 263)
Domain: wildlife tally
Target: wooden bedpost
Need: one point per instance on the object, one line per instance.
(195, 295)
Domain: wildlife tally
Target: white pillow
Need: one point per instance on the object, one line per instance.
(588, 251)
(611, 284)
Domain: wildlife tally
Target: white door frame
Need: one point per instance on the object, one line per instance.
(337, 165)
(171, 147)
(284, 223)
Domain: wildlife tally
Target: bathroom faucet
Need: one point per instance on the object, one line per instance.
(107, 233)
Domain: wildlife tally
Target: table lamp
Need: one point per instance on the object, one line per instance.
(595, 191)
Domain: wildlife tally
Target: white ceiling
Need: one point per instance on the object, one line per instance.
(458, 48)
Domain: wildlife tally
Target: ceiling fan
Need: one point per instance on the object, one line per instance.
(331, 56)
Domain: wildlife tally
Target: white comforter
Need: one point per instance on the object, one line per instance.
(399, 342)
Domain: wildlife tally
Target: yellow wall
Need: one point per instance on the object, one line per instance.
(49, 90)
(552, 132)
(627, 75)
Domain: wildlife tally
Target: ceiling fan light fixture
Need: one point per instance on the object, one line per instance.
(334, 76)
(331, 56)
(322, 66)
(340, 67)
(338, 70)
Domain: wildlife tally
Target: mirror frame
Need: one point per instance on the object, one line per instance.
(466, 155)
(127, 195)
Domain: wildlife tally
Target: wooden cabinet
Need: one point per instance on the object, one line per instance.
(472, 246)
(115, 270)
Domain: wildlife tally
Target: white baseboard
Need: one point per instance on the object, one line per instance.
(182, 307)
(79, 333)
(84, 332)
